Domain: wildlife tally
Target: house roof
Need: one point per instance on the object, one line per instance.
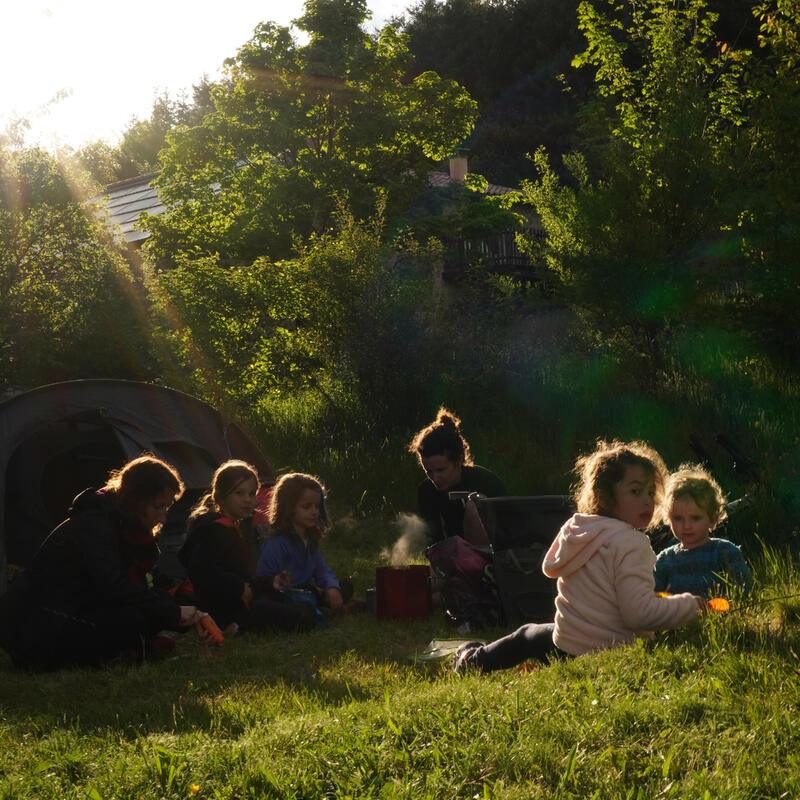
(125, 200)
(440, 179)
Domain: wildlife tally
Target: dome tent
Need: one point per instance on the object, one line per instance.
(58, 439)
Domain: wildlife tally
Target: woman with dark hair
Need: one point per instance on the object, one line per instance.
(445, 456)
(85, 598)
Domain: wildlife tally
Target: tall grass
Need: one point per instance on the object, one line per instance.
(531, 401)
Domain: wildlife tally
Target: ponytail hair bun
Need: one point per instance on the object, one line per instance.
(226, 478)
(447, 419)
(442, 438)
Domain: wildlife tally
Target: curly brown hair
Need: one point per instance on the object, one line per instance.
(600, 471)
(285, 497)
(442, 438)
(695, 482)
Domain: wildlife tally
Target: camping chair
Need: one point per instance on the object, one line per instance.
(521, 529)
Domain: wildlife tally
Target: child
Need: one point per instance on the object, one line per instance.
(221, 562)
(85, 598)
(604, 565)
(694, 505)
(298, 520)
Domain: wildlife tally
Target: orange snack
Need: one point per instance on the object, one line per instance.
(719, 604)
(211, 627)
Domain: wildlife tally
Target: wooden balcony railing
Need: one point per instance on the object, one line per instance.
(498, 253)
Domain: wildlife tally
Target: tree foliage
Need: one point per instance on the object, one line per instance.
(297, 125)
(337, 316)
(137, 151)
(662, 227)
(508, 54)
(68, 305)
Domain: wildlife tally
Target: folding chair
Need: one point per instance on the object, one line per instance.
(521, 529)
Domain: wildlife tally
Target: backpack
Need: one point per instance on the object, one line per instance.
(468, 590)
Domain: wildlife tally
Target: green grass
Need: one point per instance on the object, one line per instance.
(707, 711)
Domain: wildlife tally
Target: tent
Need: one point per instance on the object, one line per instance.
(58, 439)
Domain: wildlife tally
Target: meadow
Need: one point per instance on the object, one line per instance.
(705, 712)
(669, 310)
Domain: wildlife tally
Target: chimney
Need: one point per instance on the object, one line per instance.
(458, 167)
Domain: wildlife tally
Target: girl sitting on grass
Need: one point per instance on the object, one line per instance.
(221, 562)
(299, 520)
(604, 566)
(694, 505)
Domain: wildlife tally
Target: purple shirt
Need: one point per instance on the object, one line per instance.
(289, 552)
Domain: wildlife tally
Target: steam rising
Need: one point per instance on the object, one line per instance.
(412, 541)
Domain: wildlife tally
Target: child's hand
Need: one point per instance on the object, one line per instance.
(247, 595)
(282, 581)
(702, 604)
(334, 598)
(189, 615)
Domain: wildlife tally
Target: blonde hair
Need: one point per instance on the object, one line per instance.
(695, 482)
(227, 477)
(600, 471)
(285, 497)
(442, 438)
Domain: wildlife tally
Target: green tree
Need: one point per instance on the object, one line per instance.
(337, 321)
(297, 125)
(768, 188)
(640, 234)
(508, 54)
(69, 306)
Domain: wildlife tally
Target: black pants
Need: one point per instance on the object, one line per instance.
(345, 587)
(49, 639)
(266, 614)
(528, 642)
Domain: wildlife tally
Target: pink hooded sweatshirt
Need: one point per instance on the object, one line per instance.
(606, 592)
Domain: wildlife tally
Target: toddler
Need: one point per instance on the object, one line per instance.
(604, 566)
(291, 555)
(694, 505)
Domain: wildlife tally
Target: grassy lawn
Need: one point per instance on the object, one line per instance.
(708, 711)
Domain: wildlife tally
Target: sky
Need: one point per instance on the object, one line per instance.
(79, 70)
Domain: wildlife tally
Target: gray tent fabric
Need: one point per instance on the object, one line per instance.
(58, 439)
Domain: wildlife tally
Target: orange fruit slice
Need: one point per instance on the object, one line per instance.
(719, 604)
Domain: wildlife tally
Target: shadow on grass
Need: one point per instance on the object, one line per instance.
(257, 680)
(201, 688)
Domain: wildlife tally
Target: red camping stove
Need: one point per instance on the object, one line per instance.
(402, 592)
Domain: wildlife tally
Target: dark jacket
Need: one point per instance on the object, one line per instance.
(89, 562)
(220, 562)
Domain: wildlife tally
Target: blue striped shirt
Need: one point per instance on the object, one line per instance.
(698, 570)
